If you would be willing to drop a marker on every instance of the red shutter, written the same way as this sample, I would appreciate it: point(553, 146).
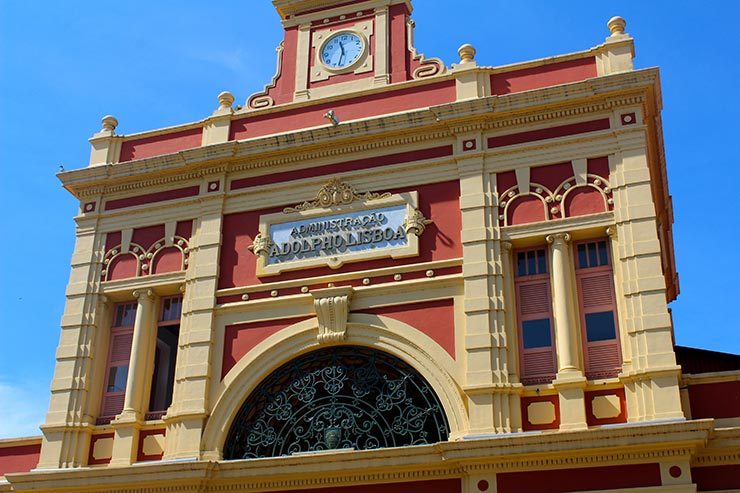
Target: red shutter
point(118, 355)
point(596, 294)
point(533, 303)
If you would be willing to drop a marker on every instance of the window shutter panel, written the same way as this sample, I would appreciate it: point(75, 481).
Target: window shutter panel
point(596, 294)
point(121, 347)
point(112, 404)
point(533, 303)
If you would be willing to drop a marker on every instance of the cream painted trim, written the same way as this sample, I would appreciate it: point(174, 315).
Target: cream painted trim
point(161, 284)
point(574, 225)
point(713, 377)
point(342, 276)
point(20, 442)
point(383, 333)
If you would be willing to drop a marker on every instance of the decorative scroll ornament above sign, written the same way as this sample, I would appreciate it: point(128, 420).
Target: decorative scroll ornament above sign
point(333, 194)
point(340, 225)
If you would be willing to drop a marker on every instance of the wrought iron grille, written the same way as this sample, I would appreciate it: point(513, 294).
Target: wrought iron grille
point(341, 397)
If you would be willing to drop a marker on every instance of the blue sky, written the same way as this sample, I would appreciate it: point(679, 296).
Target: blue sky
point(63, 65)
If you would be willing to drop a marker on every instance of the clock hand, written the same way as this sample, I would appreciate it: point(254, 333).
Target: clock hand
point(341, 47)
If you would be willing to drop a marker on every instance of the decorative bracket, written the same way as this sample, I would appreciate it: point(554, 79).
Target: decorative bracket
point(332, 310)
point(416, 223)
point(261, 245)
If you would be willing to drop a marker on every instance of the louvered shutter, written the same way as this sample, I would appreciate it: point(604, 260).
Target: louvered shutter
point(118, 357)
point(598, 312)
point(534, 307)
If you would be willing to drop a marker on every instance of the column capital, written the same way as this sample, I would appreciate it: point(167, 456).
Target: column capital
point(558, 238)
point(143, 295)
point(506, 247)
point(611, 231)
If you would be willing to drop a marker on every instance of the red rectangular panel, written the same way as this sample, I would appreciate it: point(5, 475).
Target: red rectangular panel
point(715, 400)
point(151, 198)
point(549, 133)
point(22, 458)
point(715, 478)
point(440, 486)
point(543, 76)
point(158, 145)
point(579, 479)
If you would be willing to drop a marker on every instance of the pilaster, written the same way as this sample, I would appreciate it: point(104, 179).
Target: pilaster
point(67, 426)
point(493, 400)
point(186, 416)
point(651, 378)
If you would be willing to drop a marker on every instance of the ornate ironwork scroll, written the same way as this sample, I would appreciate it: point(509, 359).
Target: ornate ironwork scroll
point(340, 397)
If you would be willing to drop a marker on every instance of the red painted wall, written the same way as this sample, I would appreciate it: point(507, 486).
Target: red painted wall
point(19, 459)
point(151, 198)
point(579, 479)
point(583, 201)
point(160, 144)
point(241, 338)
point(715, 400)
point(440, 486)
point(716, 477)
point(358, 164)
point(543, 76)
point(549, 133)
point(348, 109)
point(441, 240)
point(526, 209)
point(434, 318)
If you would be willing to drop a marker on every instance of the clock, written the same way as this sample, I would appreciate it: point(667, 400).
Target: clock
point(342, 50)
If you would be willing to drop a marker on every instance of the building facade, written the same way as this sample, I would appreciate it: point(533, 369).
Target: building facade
point(383, 273)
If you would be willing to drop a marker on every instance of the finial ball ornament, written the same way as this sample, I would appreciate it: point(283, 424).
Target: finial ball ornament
point(616, 25)
point(226, 99)
point(467, 53)
point(109, 123)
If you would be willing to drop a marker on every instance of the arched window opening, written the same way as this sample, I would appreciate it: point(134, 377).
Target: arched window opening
point(341, 397)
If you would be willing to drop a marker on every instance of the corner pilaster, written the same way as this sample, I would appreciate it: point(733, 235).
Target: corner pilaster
point(652, 377)
point(190, 407)
point(67, 428)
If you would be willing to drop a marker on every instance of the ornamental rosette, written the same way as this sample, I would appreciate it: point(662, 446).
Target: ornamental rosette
point(416, 223)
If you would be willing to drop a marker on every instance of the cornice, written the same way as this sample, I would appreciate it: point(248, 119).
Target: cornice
point(492, 113)
point(615, 445)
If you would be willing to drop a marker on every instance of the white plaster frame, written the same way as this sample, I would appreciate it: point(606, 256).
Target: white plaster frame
point(411, 249)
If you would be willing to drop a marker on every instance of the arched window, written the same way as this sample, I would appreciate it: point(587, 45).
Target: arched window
point(340, 397)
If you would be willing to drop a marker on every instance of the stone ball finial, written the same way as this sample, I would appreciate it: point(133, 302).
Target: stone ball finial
point(225, 99)
point(109, 123)
point(467, 53)
point(616, 25)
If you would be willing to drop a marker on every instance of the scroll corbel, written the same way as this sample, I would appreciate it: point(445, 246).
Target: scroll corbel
point(261, 245)
point(416, 223)
point(332, 310)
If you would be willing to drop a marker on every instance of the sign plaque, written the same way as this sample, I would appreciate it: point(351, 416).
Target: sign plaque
point(340, 226)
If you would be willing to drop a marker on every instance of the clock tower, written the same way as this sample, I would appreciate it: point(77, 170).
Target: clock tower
point(336, 47)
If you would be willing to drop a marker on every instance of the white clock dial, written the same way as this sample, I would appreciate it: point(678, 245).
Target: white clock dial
point(342, 50)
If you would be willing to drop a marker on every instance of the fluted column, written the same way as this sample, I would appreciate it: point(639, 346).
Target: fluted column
point(570, 382)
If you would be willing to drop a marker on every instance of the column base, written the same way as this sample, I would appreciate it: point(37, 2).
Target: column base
point(570, 386)
point(126, 428)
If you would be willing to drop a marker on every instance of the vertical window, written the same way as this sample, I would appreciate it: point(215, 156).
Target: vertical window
point(534, 316)
point(119, 354)
point(598, 312)
point(165, 358)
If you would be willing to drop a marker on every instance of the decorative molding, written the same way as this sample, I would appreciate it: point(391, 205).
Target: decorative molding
point(261, 245)
point(145, 257)
point(558, 238)
point(333, 194)
point(428, 67)
point(332, 310)
point(263, 99)
point(485, 112)
point(416, 223)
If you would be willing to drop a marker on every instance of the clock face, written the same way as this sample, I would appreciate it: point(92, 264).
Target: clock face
point(342, 50)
